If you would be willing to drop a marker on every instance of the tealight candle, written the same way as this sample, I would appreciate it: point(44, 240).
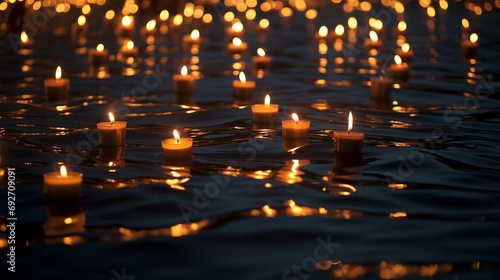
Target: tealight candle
point(98, 57)
point(62, 184)
point(150, 29)
point(265, 113)
point(236, 30)
point(295, 128)
point(400, 70)
point(380, 88)
point(192, 39)
point(339, 32)
point(56, 89)
point(26, 42)
point(323, 33)
point(177, 147)
point(126, 29)
point(373, 43)
point(401, 28)
point(128, 50)
point(112, 133)
point(405, 53)
point(469, 47)
point(79, 28)
point(261, 61)
point(348, 141)
point(184, 83)
point(237, 46)
point(243, 89)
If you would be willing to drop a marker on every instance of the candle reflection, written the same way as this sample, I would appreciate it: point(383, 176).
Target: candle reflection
point(64, 219)
point(291, 173)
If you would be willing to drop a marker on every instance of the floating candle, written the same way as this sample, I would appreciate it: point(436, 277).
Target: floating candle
point(295, 128)
point(323, 33)
point(98, 57)
point(339, 31)
point(261, 61)
point(373, 43)
point(465, 24)
point(150, 29)
point(126, 29)
point(265, 113)
point(184, 82)
point(26, 42)
point(237, 46)
point(56, 89)
point(400, 70)
point(128, 50)
point(405, 53)
point(243, 90)
point(112, 133)
point(469, 47)
point(380, 88)
point(177, 147)
point(401, 28)
point(348, 141)
point(62, 184)
point(192, 39)
point(236, 30)
point(80, 28)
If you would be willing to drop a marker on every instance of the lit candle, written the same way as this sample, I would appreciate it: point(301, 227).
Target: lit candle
point(79, 28)
point(26, 42)
point(348, 141)
point(265, 113)
point(150, 29)
point(177, 147)
point(261, 61)
point(465, 24)
point(469, 47)
point(112, 133)
point(128, 50)
point(237, 46)
point(56, 89)
point(243, 90)
point(295, 128)
point(62, 184)
point(184, 82)
point(339, 32)
point(236, 30)
point(400, 70)
point(323, 33)
point(98, 57)
point(192, 39)
point(401, 28)
point(373, 43)
point(405, 53)
point(127, 27)
point(263, 24)
point(380, 88)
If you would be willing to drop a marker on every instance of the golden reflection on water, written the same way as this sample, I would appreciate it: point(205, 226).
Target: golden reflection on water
point(384, 270)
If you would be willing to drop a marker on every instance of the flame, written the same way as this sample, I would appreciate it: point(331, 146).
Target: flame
point(237, 27)
point(58, 72)
point(130, 45)
point(110, 14)
point(378, 24)
point(402, 26)
point(68, 221)
point(63, 171)
point(339, 30)
point(127, 21)
point(195, 34)
point(261, 52)
point(24, 37)
point(242, 77)
point(267, 100)
point(405, 48)
point(151, 25)
point(264, 23)
point(177, 137)
point(349, 125)
point(111, 118)
point(295, 118)
point(164, 15)
point(473, 37)
point(352, 23)
point(178, 20)
point(237, 41)
point(373, 36)
point(184, 70)
point(398, 60)
point(465, 23)
point(100, 47)
point(323, 31)
point(431, 12)
point(82, 20)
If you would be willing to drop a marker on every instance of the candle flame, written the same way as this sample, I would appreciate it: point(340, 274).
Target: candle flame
point(295, 118)
point(405, 48)
point(127, 21)
point(349, 125)
point(100, 47)
point(184, 70)
point(473, 37)
point(465, 23)
point(24, 37)
point(402, 26)
point(352, 23)
point(242, 77)
point(130, 45)
point(58, 72)
point(323, 31)
point(339, 30)
point(164, 15)
point(267, 100)
point(237, 41)
point(63, 171)
point(397, 59)
point(176, 136)
point(261, 52)
point(237, 27)
point(178, 19)
point(151, 25)
point(82, 20)
point(111, 118)
point(373, 36)
point(195, 34)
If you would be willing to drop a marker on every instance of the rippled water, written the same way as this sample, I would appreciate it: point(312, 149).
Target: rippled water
point(421, 201)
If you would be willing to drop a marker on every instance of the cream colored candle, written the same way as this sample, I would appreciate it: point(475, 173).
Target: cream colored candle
point(98, 57)
point(62, 184)
point(265, 113)
point(348, 141)
point(261, 61)
point(56, 89)
point(184, 82)
point(469, 47)
point(399, 69)
point(405, 53)
point(237, 46)
point(373, 43)
point(295, 128)
point(112, 133)
point(380, 88)
point(177, 147)
point(192, 39)
point(243, 90)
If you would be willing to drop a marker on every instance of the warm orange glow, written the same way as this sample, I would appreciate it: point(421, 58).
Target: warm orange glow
point(177, 137)
point(111, 117)
point(431, 12)
point(465, 23)
point(237, 27)
point(63, 171)
point(207, 18)
point(178, 19)
point(127, 21)
point(264, 23)
point(68, 221)
point(24, 37)
point(237, 41)
point(130, 45)
point(295, 118)
point(261, 52)
point(402, 26)
point(58, 72)
point(100, 47)
point(373, 36)
point(398, 60)
point(151, 25)
point(405, 48)
point(349, 125)
point(267, 100)
point(473, 37)
point(82, 20)
point(339, 30)
point(352, 23)
point(110, 14)
point(184, 70)
point(323, 31)
point(311, 14)
point(164, 15)
point(242, 77)
point(195, 34)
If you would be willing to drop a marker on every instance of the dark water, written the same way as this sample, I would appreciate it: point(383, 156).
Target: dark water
point(421, 201)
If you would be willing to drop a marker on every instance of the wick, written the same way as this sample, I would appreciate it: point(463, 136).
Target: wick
point(177, 141)
point(348, 132)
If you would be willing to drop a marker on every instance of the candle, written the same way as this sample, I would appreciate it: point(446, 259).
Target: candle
point(80, 28)
point(150, 29)
point(112, 133)
point(127, 27)
point(469, 47)
point(56, 89)
point(339, 31)
point(237, 46)
point(243, 89)
point(405, 53)
point(465, 24)
point(261, 61)
point(192, 39)
point(26, 42)
point(177, 147)
point(128, 50)
point(236, 30)
point(373, 43)
point(380, 88)
point(184, 83)
point(62, 184)
point(265, 113)
point(98, 57)
point(323, 33)
point(401, 28)
point(348, 141)
point(295, 128)
point(263, 25)
point(400, 70)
